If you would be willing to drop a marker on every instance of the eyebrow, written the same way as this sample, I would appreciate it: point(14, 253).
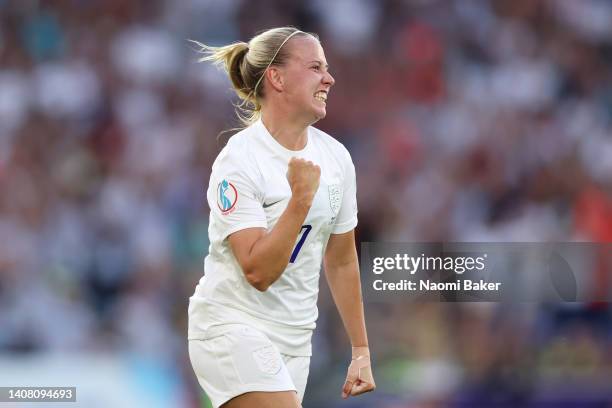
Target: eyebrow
point(320, 63)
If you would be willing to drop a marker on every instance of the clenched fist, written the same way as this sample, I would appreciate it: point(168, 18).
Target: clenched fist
point(303, 177)
point(359, 378)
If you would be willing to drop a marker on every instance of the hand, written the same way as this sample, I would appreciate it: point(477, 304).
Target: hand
point(303, 177)
point(359, 378)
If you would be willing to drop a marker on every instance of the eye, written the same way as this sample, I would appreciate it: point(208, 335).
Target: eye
point(316, 67)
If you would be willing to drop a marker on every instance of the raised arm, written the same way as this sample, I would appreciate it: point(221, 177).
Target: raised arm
point(263, 256)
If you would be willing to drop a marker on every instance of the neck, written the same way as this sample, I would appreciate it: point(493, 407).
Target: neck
point(292, 134)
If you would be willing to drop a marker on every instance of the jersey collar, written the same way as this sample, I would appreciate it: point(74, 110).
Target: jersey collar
point(270, 141)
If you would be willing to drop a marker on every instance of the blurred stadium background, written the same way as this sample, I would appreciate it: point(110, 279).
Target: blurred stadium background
point(468, 120)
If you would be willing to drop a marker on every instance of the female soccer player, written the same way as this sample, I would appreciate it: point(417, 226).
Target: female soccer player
point(282, 198)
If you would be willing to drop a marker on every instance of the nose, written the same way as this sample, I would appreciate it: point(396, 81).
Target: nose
point(328, 79)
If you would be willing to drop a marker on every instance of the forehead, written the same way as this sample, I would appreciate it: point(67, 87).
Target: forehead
point(305, 49)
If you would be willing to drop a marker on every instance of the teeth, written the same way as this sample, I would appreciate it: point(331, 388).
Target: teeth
point(321, 96)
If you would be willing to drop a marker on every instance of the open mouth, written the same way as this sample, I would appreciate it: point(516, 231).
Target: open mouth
point(321, 96)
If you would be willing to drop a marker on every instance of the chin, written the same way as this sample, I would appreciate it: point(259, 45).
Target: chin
point(320, 113)
point(315, 113)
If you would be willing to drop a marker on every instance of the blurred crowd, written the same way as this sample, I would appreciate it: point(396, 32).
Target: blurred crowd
point(467, 120)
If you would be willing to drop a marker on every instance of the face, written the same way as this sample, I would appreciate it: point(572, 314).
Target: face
point(306, 79)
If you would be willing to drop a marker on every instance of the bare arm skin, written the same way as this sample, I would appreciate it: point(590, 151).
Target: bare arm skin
point(342, 273)
point(263, 256)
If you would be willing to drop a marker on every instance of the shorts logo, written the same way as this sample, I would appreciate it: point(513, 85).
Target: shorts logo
point(335, 197)
point(227, 196)
point(268, 360)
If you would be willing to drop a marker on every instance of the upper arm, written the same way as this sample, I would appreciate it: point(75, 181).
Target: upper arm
point(346, 219)
point(340, 250)
point(234, 196)
point(242, 242)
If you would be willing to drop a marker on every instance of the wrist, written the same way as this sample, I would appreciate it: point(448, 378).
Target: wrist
point(300, 203)
point(360, 351)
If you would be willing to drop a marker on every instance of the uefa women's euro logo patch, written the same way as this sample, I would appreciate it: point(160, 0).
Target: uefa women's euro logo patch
point(227, 196)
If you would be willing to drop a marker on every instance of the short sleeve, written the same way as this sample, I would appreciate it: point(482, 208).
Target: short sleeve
point(233, 197)
point(347, 215)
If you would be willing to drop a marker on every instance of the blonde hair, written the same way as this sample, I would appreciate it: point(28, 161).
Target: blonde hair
point(246, 65)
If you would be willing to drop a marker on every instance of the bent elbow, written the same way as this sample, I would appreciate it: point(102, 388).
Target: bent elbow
point(259, 285)
point(262, 287)
point(257, 281)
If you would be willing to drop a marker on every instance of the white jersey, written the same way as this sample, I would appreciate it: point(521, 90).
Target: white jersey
point(249, 188)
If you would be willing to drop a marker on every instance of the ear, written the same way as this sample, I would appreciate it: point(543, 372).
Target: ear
point(275, 78)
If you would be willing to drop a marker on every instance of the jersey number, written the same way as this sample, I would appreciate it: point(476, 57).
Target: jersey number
point(306, 228)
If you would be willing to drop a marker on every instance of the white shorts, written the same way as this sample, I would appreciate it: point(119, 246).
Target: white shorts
point(236, 358)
